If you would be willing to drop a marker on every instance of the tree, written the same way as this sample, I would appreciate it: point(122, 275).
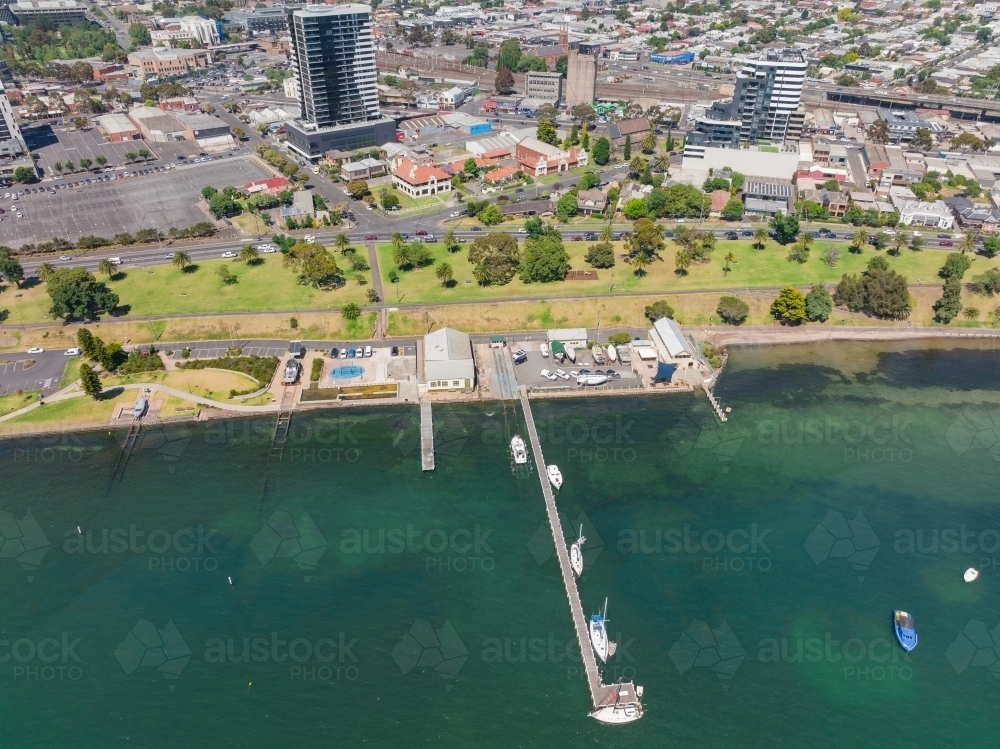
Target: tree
point(509, 55)
point(733, 210)
point(657, 310)
point(388, 199)
point(351, 311)
point(879, 292)
point(490, 215)
point(357, 189)
point(922, 139)
point(101, 160)
point(627, 152)
point(496, 258)
point(648, 144)
point(584, 113)
point(759, 238)
point(785, 228)
point(107, 267)
point(239, 133)
point(634, 208)
point(602, 151)
point(23, 175)
point(45, 270)
point(732, 310)
point(950, 304)
point(546, 133)
point(139, 34)
point(249, 254)
point(819, 304)
point(10, 268)
point(450, 241)
point(637, 165)
point(221, 205)
point(601, 255)
point(546, 112)
point(831, 256)
point(878, 132)
point(77, 295)
point(729, 258)
point(955, 266)
point(316, 267)
point(402, 257)
point(682, 261)
point(445, 273)
point(180, 260)
point(90, 382)
point(789, 306)
point(544, 259)
point(504, 81)
point(859, 240)
point(968, 243)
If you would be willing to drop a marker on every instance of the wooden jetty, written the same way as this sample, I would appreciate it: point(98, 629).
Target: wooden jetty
point(426, 436)
point(616, 703)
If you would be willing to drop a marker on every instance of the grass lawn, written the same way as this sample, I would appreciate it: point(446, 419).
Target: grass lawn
point(72, 372)
point(81, 411)
point(251, 224)
point(13, 401)
point(406, 203)
point(164, 289)
point(754, 268)
point(206, 383)
point(176, 407)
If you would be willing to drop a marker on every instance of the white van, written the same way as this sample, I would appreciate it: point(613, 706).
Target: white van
point(368, 351)
point(115, 260)
point(545, 350)
point(309, 238)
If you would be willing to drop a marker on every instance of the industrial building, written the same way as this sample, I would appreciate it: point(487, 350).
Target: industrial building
point(544, 86)
point(581, 79)
point(57, 11)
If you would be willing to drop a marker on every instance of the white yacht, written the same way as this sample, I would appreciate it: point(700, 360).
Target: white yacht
point(599, 633)
point(623, 704)
point(612, 354)
point(576, 554)
point(555, 475)
point(518, 450)
point(970, 574)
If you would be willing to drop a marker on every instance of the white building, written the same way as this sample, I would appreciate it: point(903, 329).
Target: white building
point(11, 141)
point(291, 87)
point(448, 362)
point(920, 213)
point(189, 28)
point(670, 341)
point(568, 337)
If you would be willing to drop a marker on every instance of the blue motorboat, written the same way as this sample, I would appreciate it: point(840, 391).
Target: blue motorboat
point(906, 633)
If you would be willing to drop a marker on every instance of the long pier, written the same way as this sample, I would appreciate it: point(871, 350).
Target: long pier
point(426, 436)
point(617, 703)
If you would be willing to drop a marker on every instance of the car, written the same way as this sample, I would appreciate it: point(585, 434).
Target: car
point(420, 232)
point(746, 233)
point(583, 372)
point(522, 231)
point(520, 356)
point(577, 238)
point(590, 236)
point(65, 257)
point(944, 236)
point(519, 189)
point(72, 352)
point(476, 228)
point(168, 257)
point(544, 348)
point(455, 214)
point(351, 353)
point(732, 235)
point(268, 251)
point(368, 352)
point(545, 373)
point(229, 253)
point(616, 375)
point(395, 351)
point(334, 352)
point(371, 237)
point(946, 243)
point(406, 236)
point(561, 373)
point(36, 351)
point(343, 353)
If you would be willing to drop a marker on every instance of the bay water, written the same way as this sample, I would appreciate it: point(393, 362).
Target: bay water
point(751, 569)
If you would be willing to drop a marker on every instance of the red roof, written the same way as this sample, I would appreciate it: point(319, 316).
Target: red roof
point(418, 175)
point(274, 183)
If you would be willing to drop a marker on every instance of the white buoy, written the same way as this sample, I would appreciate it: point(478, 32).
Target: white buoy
point(78, 530)
point(971, 574)
point(230, 581)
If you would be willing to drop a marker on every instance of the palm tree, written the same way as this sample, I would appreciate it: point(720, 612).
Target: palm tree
point(968, 243)
point(351, 311)
point(859, 240)
point(402, 256)
point(397, 239)
point(45, 270)
point(249, 254)
point(341, 242)
point(450, 241)
point(661, 163)
point(481, 274)
point(805, 239)
point(606, 232)
point(729, 258)
point(180, 260)
point(682, 261)
point(107, 267)
point(899, 242)
point(637, 165)
point(759, 238)
point(648, 144)
point(444, 273)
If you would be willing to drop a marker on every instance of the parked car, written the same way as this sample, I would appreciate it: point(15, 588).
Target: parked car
point(732, 235)
point(343, 353)
point(520, 356)
point(351, 353)
point(561, 373)
point(947, 243)
point(368, 351)
point(395, 351)
point(547, 374)
point(578, 239)
point(371, 237)
point(72, 352)
point(334, 352)
point(419, 232)
point(229, 253)
point(36, 350)
point(544, 348)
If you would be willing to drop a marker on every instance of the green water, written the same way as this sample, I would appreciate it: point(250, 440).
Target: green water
point(747, 624)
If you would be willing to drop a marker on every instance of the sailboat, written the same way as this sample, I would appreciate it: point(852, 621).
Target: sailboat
point(518, 450)
point(555, 475)
point(612, 354)
point(599, 634)
point(576, 554)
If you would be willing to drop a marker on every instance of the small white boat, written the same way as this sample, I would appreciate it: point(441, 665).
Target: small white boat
point(612, 354)
point(576, 554)
point(622, 705)
point(971, 574)
point(599, 633)
point(598, 353)
point(555, 475)
point(518, 450)
point(571, 354)
point(591, 380)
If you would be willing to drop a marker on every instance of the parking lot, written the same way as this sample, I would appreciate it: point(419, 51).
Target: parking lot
point(529, 373)
point(160, 200)
point(43, 374)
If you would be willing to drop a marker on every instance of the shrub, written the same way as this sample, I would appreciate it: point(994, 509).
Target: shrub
point(732, 310)
point(261, 368)
point(658, 309)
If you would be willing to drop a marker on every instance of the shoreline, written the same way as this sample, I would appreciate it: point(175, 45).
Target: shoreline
point(780, 334)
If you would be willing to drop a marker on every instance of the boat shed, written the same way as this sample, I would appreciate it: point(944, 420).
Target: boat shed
point(448, 363)
point(670, 341)
point(569, 337)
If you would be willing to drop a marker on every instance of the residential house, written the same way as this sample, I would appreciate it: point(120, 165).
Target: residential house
point(537, 158)
point(591, 201)
point(499, 176)
point(417, 181)
point(362, 169)
point(974, 216)
point(273, 186)
point(719, 200)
